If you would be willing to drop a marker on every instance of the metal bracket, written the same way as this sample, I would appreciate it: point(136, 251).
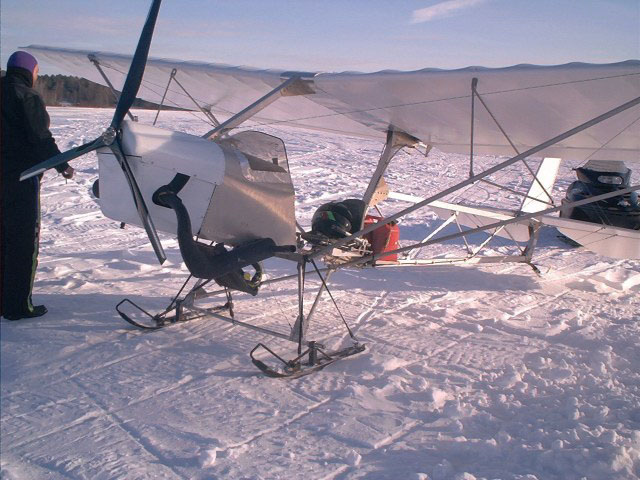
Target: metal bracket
point(396, 141)
point(534, 234)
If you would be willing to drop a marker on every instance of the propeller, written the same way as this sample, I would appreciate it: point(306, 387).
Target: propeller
point(63, 157)
point(112, 136)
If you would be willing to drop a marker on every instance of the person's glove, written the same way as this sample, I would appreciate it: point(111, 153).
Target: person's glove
point(68, 172)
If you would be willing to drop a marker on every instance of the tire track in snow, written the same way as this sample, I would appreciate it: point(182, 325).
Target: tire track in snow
point(345, 471)
point(78, 421)
point(112, 415)
point(131, 432)
point(153, 349)
point(412, 301)
point(368, 312)
point(535, 304)
point(222, 328)
point(75, 374)
point(422, 355)
point(310, 409)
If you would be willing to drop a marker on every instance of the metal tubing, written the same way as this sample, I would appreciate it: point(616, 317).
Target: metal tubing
point(94, 60)
point(207, 311)
point(474, 83)
point(515, 192)
point(301, 272)
point(266, 282)
point(435, 262)
point(484, 244)
point(297, 327)
point(251, 110)
point(318, 296)
point(451, 218)
point(517, 219)
point(464, 239)
point(534, 232)
point(207, 113)
point(173, 74)
point(516, 243)
point(495, 120)
point(391, 148)
point(396, 141)
point(480, 176)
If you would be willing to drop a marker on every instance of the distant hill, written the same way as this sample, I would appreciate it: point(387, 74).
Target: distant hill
point(64, 90)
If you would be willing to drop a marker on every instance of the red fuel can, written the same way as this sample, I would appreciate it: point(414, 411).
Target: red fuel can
point(383, 239)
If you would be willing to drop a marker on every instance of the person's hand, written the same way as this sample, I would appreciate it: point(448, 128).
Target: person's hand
point(68, 173)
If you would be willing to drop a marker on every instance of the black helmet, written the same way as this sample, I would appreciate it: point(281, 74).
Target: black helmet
point(333, 220)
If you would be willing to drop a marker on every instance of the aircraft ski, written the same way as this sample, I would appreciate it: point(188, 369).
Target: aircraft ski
point(317, 359)
point(162, 320)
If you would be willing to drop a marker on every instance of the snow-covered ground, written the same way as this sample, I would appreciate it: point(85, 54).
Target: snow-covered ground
point(491, 372)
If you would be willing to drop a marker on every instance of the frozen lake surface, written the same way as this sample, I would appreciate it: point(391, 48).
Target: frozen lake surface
point(469, 373)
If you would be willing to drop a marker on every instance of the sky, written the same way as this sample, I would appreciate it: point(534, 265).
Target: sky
point(337, 35)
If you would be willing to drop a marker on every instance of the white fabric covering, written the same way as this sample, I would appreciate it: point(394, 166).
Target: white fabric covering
point(532, 103)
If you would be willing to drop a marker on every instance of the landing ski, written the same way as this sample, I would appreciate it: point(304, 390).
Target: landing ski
point(162, 320)
point(296, 368)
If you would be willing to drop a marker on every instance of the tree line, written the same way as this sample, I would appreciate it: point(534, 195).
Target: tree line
point(65, 91)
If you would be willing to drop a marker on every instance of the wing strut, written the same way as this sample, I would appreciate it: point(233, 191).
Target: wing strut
point(172, 78)
point(396, 141)
point(295, 85)
point(474, 94)
point(93, 59)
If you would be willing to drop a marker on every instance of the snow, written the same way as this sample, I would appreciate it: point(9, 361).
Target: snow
point(469, 373)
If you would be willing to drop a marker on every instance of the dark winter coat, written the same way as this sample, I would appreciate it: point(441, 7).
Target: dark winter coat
point(26, 139)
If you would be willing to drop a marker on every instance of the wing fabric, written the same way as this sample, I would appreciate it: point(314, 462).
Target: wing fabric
point(532, 103)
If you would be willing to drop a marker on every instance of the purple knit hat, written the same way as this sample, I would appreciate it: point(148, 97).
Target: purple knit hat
point(22, 59)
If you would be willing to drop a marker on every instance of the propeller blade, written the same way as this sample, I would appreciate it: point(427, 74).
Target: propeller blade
point(139, 202)
point(136, 70)
point(63, 157)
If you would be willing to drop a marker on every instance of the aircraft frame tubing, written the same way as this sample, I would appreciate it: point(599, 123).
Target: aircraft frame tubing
point(298, 331)
point(528, 216)
point(515, 192)
point(251, 110)
point(212, 313)
point(266, 282)
point(301, 279)
point(172, 78)
point(394, 143)
point(92, 58)
point(474, 94)
point(594, 121)
point(164, 95)
point(438, 262)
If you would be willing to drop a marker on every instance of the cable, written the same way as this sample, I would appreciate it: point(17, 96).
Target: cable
point(324, 284)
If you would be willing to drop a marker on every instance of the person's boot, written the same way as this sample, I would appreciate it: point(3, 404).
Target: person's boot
point(37, 311)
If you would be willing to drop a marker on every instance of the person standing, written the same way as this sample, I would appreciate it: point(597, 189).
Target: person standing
point(26, 141)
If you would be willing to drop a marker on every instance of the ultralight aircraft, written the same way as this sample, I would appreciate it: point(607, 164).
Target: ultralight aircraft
point(233, 190)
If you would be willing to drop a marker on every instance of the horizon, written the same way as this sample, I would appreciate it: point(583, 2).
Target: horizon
point(359, 35)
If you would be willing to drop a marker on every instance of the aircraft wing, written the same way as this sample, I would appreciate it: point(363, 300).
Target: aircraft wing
point(532, 103)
